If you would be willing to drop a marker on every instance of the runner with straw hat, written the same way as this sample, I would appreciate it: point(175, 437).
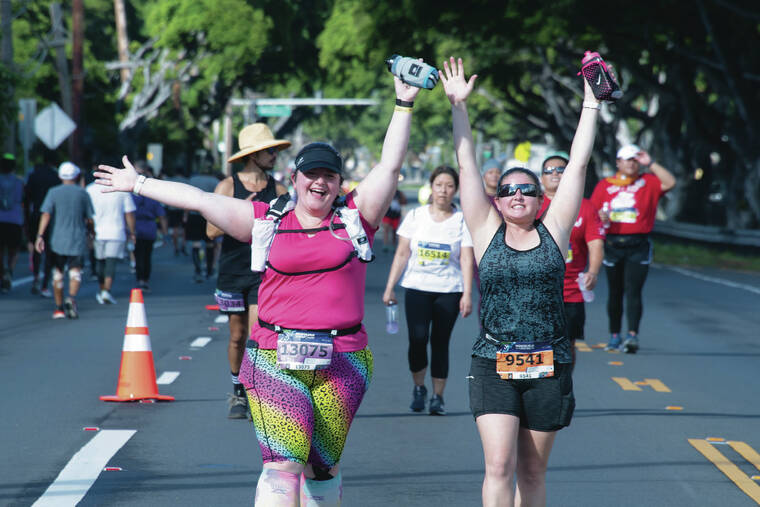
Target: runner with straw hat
point(237, 286)
point(257, 137)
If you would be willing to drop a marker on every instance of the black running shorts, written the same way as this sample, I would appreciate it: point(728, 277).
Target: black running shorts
point(61, 261)
point(247, 286)
point(575, 319)
point(195, 228)
point(175, 217)
point(544, 404)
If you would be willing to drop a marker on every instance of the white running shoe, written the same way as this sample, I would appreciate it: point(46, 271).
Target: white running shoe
point(99, 298)
point(106, 296)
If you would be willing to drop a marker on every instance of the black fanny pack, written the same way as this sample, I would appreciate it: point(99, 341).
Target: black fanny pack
point(626, 240)
point(333, 332)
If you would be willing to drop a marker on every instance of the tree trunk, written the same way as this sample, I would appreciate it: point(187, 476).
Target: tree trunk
point(6, 18)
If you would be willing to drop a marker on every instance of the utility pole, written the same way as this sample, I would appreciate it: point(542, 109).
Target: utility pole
point(58, 44)
point(77, 63)
point(122, 39)
point(6, 27)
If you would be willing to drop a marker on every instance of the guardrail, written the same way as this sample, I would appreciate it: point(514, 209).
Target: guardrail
point(709, 234)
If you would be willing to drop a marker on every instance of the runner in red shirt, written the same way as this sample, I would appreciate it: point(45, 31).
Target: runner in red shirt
point(627, 205)
point(586, 250)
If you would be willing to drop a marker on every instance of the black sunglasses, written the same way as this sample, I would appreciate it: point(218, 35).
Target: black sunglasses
point(272, 150)
point(549, 170)
point(526, 189)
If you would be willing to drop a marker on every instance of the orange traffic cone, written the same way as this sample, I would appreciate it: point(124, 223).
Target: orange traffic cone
point(137, 376)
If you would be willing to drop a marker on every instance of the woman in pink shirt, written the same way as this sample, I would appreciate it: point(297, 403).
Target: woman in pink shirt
point(311, 304)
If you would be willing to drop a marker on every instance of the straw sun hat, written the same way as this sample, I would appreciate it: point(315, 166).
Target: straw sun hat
point(256, 137)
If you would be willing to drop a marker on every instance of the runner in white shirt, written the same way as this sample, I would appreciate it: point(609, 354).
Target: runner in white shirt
point(435, 248)
point(114, 212)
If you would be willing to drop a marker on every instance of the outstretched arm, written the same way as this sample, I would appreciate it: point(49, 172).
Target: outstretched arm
point(563, 211)
point(375, 192)
point(479, 215)
point(233, 216)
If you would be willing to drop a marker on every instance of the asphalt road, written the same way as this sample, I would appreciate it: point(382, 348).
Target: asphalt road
point(639, 435)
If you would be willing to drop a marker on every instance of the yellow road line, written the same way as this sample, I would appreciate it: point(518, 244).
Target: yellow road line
point(730, 470)
point(582, 347)
point(747, 452)
point(657, 385)
point(626, 384)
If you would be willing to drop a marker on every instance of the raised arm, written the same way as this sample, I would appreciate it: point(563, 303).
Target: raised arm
point(375, 192)
point(479, 215)
point(563, 211)
point(233, 216)
point(667, 180)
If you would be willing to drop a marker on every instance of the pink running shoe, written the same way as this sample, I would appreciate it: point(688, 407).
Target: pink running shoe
point(600, 76)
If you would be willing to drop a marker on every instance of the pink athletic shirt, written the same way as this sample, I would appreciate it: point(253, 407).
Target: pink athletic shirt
point(327, 300)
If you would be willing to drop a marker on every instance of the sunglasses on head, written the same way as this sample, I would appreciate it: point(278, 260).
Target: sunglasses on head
point(526, 189)
point(549, 170)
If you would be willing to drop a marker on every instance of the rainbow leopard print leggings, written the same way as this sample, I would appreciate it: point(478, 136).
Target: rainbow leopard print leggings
point(304, 416)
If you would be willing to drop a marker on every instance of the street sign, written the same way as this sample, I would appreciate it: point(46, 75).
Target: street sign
point(52, 126)
point(273, 110)
point(155, 157)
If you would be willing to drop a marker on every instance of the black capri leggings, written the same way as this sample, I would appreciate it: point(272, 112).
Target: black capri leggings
point(143, 256)
point(626, 261)
point(423, 309)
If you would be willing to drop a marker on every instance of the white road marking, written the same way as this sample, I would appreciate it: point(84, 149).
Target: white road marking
point(721, 281)
point(201, 341)
point(221, 319)
point(167, 377)
point(79, 474)
point(21, 281)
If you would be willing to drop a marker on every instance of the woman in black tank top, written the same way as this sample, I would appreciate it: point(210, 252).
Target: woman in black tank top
point(520, 378)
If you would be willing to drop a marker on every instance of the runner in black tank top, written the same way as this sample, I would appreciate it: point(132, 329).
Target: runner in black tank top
point(237, 290)
point(520, 378)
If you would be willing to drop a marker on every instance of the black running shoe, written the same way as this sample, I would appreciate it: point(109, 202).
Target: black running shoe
point(418, 398)
point(238, 406)
point(70, 308)
point(436, 405)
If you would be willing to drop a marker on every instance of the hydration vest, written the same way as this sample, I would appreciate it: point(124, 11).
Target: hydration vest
point(265, 229)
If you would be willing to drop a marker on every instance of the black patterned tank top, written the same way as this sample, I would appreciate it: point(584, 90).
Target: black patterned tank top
point(522, 295)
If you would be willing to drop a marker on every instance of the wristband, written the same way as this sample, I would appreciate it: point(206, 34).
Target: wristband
point(138, 184)
point(402, 109)
point(592, 105)
point(404, 103)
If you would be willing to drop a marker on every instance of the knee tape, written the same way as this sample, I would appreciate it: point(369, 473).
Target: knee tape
point(321, 493)
point(74, 275)
point(57, 279)
point(277, 488)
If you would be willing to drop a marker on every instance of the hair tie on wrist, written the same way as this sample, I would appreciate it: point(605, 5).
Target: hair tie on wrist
point(592, 105)
point(402, 109)
point(404, 103)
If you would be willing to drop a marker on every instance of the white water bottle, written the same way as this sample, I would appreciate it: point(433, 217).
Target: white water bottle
point(606, 210)
point(391, 318)
point(588, 295)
